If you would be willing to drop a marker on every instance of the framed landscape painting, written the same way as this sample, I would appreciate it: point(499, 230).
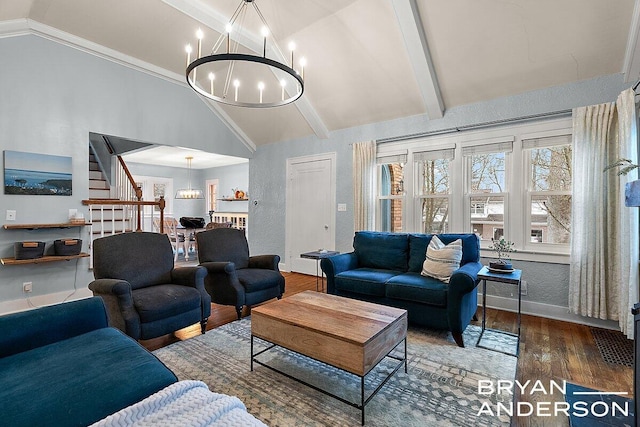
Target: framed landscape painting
point(37, 174)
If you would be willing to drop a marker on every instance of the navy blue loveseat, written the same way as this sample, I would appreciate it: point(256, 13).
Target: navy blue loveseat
point(63, 365)
point(385, 268)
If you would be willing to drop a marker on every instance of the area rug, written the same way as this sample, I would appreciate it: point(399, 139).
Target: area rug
point(441, 387)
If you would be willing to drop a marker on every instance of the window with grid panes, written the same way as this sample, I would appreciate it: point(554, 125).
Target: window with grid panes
point(548, 195)
point(487, 189)
point(391, 192)
point(433, 189)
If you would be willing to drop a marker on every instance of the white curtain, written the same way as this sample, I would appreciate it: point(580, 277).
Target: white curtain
point(604, 241)
point(628, 136)
point(364, 179)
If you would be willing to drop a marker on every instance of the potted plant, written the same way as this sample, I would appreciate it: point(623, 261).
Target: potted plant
point(503, 248)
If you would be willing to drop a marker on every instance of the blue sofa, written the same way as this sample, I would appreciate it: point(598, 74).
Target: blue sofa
point(385, 268)
point(63, 365)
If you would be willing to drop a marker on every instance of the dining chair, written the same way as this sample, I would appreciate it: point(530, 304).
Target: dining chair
point(177, 239)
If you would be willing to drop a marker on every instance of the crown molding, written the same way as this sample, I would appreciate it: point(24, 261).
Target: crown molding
point(22, 27)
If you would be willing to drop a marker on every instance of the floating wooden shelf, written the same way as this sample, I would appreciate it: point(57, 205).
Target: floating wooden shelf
point(52, 258)
point(234, 200)
point(38, 226)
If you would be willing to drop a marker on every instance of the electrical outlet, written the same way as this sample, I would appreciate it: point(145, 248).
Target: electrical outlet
point(342, 207)
point(11, 215)
point(27, 287)
point(523, 288)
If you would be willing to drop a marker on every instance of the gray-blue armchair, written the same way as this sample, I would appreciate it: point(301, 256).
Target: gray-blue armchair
point(234, 277)
point(147, 297)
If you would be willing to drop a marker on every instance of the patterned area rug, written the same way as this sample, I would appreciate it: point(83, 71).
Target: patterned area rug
point(440, 388)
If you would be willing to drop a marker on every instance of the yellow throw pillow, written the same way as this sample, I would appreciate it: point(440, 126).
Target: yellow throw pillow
point(442, 260)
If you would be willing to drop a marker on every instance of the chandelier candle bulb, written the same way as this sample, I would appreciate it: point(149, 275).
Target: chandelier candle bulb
point(212, 77)
point(303, 62)
point(188, 50)
point(292, 47)
point(236, 84)
point(260, 88)
point(283, 83)
point(199, 35)
point(228, 28)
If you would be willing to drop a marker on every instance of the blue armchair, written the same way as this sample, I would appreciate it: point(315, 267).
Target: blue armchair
point(234, 277)
point(147, 297)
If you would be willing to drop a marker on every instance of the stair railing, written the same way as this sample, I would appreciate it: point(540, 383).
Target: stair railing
point(107, 213)
point(128, 199)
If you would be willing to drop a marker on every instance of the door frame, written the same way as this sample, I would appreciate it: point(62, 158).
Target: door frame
point(289, 208)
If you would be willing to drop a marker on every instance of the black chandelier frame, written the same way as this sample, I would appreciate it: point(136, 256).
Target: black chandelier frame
point(230, 57)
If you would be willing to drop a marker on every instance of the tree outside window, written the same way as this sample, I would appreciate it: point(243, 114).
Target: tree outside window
point(550, 199)
point(434, 190)
point(486, 188)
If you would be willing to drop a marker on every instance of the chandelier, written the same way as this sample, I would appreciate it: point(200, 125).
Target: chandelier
point(189, 193)
point(244, 78)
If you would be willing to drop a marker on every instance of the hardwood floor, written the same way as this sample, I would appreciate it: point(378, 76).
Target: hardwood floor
point(549, 350)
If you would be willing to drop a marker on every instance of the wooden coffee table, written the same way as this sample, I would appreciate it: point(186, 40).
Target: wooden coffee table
point(345, 333)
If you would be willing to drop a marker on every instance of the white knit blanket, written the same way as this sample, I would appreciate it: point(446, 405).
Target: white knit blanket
point(185, 403)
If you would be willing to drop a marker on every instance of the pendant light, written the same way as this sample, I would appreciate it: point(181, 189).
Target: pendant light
point(189, 193)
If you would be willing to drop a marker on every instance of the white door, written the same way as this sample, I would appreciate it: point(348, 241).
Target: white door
point(310, 209)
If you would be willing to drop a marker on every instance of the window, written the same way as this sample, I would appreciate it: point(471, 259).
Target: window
point(486, 194)
point(433, 189)
point(548, 189)
point(391, 192)
point(512, 182)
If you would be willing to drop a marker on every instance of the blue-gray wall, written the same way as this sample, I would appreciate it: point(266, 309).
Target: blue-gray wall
point(51, 97)
point(548, 283)
point(229, 178)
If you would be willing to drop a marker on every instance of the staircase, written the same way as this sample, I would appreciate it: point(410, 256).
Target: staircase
point(114, 219)
point(111, 215)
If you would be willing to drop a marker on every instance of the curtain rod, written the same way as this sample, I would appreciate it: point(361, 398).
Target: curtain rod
point(553, 114)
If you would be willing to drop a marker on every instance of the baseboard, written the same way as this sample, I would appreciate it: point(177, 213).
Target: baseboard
point(548, 311)
point(31, 302)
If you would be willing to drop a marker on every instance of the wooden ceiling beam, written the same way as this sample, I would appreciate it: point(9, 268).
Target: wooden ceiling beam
point(415, 41)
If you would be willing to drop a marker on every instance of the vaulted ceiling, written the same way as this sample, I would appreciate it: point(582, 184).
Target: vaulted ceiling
point(368, 60)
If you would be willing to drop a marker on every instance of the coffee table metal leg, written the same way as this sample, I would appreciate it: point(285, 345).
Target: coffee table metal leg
point(405, 355)
point(362, 403)
point(251, 352)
